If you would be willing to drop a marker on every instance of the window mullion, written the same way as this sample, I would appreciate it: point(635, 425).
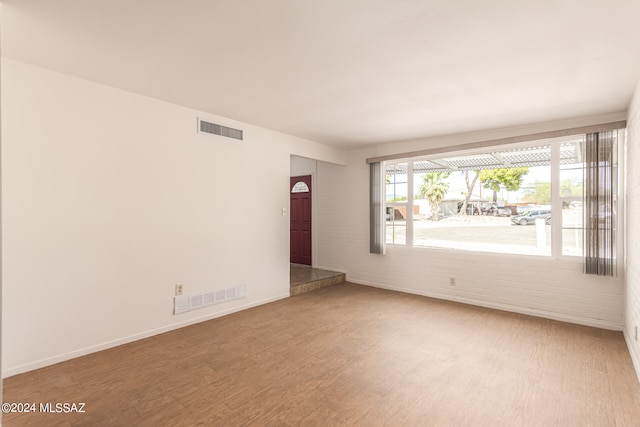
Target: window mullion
point(409, 221)
point(556, 203)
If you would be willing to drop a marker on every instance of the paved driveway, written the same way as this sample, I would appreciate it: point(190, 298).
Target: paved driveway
point(489, 234)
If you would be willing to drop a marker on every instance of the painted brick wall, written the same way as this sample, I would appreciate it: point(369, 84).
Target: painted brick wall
point(540, 286)
point(632, 306)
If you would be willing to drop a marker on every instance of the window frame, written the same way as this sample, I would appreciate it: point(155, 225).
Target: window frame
point(556, 244)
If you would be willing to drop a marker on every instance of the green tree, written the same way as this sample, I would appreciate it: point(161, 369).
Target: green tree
point(540, 194)
point(434, 188)
point(509, 178)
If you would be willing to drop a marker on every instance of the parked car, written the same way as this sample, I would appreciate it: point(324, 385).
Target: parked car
point(488, 208)
point(531, 216)
point(498, 211)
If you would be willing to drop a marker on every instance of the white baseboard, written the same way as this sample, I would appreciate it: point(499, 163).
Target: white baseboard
point(635, 357)
point(114, 343)
point(585, 321)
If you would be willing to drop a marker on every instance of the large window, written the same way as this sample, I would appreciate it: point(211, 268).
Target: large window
point(520, 199)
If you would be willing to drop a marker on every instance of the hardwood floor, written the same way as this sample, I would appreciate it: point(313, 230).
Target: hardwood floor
point(348, 355)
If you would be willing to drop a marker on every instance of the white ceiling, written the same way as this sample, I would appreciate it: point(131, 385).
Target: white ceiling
point(346, 72)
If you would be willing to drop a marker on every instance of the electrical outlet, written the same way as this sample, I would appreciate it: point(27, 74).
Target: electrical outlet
point(636, 333)
point(452, 281)
point(179, 289)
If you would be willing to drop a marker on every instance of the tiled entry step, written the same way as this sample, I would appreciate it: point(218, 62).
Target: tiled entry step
point(306, 279)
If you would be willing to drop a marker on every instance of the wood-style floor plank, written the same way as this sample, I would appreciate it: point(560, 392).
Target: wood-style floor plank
point(348, 355)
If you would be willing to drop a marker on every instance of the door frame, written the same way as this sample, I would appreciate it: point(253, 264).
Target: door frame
point(311, 181)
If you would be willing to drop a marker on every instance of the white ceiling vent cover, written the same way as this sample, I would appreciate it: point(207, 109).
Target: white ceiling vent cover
point(216, 129)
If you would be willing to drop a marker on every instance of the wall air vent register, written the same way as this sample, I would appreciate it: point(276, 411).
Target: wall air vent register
point(216, 129)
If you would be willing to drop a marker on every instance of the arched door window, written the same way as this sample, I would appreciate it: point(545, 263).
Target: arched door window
point(300, 187)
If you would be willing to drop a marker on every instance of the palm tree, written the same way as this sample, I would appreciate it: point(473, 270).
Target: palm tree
point(434, 188)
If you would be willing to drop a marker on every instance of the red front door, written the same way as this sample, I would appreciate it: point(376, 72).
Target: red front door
point(300, 192)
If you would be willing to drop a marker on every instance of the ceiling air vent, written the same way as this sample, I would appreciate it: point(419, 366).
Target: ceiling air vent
point(215, 129)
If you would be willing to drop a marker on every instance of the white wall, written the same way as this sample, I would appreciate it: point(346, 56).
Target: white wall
point(1, 388)
point(632, 306)
point(301, 166)
point(552, 288)
point(111, 198)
